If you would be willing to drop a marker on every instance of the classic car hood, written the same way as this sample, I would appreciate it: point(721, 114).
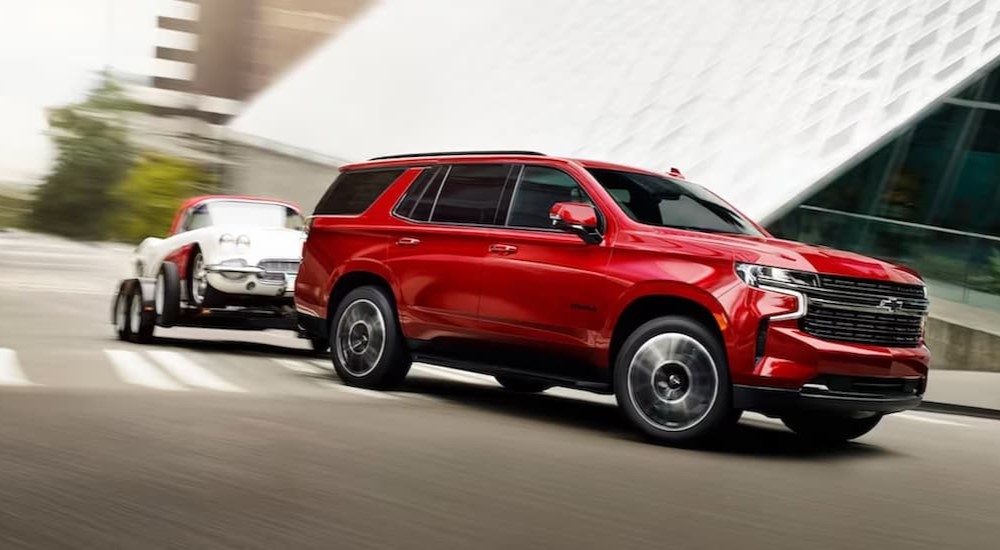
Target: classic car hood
point(791, 255)
point(265, 243)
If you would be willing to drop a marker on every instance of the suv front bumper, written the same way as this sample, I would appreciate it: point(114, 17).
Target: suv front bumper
point(794, 370)
point(777, 401)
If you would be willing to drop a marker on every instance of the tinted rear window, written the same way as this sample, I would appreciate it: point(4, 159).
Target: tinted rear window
point(419, 198)
point(353, 192)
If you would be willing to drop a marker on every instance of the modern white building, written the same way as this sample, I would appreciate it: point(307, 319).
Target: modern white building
point(871, 125)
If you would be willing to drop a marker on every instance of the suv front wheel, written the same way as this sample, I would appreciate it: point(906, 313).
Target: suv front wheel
point(366, 344)
point(672, 381)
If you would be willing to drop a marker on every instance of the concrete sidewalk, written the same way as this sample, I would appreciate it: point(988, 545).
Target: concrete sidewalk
point(964, 389)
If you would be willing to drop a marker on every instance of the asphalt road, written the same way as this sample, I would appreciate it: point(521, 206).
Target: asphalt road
point(209, 439)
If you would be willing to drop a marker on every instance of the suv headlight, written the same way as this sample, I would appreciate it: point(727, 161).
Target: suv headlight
point(761, 276)
point(781, 281)
point(243, 240)
point(226, 238)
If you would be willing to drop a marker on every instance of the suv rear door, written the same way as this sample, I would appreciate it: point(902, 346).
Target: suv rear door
point(437, 250)
point(544, 288)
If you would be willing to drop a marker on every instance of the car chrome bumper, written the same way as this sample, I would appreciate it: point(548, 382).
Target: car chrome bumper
point(251, 283)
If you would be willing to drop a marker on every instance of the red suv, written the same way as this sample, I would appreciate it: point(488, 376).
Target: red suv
point(546, 271)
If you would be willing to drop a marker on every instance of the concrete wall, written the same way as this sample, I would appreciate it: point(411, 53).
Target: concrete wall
point(956, 347)
point(266, 173)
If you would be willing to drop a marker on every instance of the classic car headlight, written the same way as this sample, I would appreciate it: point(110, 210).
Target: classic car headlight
point(781, 281)
point(226, 238)
point(243, 240)
point(235, 262)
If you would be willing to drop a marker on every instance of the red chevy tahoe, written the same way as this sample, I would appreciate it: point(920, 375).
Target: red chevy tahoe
point(547, 271)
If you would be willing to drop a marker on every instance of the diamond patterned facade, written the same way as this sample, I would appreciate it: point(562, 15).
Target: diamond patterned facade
point(761, 101)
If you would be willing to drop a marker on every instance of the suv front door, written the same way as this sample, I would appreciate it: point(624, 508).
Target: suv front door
point(544, 291)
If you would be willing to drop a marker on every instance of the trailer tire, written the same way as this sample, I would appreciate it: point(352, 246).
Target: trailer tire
point(167, 295)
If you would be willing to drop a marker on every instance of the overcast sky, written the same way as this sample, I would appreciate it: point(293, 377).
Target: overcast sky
point(50, 51)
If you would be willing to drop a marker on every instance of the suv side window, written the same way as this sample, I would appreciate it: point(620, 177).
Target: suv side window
point(541, 187)
point(353, 192)
point(419, 199)
point(471, 194)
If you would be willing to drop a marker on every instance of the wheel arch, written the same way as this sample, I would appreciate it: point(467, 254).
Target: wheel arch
point(352, 279)
point(692, 303)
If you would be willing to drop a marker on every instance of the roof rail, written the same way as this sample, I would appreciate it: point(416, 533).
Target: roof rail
point(458, 153)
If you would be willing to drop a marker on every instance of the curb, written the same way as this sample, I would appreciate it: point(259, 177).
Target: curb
point(963, 410)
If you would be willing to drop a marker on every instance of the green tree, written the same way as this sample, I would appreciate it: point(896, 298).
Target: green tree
point(146, 199)
point(94, 154)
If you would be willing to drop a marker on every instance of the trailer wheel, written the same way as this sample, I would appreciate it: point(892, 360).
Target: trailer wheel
point(139, 323)
point(167, 295)
point(119, 313)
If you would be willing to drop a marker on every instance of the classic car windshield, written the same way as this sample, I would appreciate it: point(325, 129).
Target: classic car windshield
point(256, 214)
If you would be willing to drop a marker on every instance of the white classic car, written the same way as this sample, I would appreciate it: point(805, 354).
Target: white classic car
point(227, 250)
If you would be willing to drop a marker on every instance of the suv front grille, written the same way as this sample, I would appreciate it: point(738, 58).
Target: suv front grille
point(863, 311)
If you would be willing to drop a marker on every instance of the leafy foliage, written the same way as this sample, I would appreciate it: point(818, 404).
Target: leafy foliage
point(94, 155)
point(146, 199)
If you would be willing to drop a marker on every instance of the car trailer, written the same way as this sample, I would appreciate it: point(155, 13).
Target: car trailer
point(140, 304)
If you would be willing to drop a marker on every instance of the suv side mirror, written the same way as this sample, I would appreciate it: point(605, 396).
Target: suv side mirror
point(577, 218)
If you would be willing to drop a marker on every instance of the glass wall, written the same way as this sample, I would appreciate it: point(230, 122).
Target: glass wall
point(929, 199)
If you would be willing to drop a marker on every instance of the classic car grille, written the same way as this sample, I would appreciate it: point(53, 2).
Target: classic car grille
point(863, 311)
point(275, 270)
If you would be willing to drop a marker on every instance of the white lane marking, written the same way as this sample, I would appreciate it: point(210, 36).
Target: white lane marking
point(452, 374)
point(191, 373)
point(135, 370)
point(323, 366)
point(300, 367)
point(10, 370)
point(930, 420)
point(354, 391)
point(757, 417)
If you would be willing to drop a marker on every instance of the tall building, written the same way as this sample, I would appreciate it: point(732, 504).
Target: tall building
point(213, 55)
point(870, 125)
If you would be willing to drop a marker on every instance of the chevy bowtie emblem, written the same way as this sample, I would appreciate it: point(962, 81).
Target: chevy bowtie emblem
point(894, 305)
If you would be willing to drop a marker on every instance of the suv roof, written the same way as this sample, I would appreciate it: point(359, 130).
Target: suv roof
point(411, 159)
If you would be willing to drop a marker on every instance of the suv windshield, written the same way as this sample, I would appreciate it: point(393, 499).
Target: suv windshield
point(256, 214)
point(665, 202)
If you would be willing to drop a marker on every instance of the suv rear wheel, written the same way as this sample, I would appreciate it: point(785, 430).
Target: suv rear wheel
point(367, 346)
point(672, 381)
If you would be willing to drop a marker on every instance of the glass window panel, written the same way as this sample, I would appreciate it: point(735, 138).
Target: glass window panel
point(910, 190)
point(969, 205)
point(855, 190)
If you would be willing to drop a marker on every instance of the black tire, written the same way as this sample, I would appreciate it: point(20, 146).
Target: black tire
point(522, 385)
point(359, 358)
point(119, 311)
point(830, 429)
point(167, 300)
point(676, 399)
point(139, 323)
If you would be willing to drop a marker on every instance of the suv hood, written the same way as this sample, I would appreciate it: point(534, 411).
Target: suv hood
point(794, 255)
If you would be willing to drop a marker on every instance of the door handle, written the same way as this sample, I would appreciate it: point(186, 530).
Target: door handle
point(408, 241)
point(503, 249)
